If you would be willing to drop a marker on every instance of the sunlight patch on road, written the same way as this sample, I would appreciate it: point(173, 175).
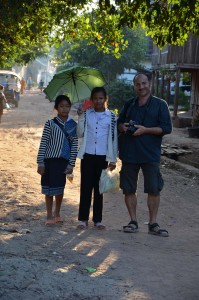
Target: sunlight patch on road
point(6, 238)
point(103, 267)
point(65, 269)
point(92, 252)
point(139, 295)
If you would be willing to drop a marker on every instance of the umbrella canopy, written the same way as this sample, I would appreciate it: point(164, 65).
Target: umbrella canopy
point(75, 82)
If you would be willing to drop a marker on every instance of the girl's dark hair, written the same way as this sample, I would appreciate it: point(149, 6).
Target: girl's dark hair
point(97, 90)
point(59, 99)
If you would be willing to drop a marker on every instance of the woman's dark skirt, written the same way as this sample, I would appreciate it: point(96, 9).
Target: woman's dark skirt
point(54, 179)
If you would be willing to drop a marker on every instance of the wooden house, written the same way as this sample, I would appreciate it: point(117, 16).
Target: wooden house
point(175, 60)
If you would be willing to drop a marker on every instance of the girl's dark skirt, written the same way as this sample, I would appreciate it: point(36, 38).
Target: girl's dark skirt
point(54, 179)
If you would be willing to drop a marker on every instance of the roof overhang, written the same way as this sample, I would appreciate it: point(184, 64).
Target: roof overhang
point(174, 67)
point(7, 72)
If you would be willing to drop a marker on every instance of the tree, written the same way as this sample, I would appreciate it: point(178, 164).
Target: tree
point(119, 92)
point(88, 55)
point(27, 25)
point(23, 33)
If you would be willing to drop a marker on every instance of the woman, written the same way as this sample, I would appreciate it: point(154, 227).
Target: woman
point(98, 150)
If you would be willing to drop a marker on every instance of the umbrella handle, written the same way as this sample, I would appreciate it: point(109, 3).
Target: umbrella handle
point(75, 86)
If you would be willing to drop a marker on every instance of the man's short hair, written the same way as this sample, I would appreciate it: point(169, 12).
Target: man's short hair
point(142, 73)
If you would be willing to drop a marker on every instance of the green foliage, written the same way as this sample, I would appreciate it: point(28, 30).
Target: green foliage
point(23, 31)
point(28, 26)
point(88, 55)
point(183, 100)
point(118, 93)
point(186, 78)
point(115, 111)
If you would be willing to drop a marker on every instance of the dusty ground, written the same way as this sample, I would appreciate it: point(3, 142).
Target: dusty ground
point(50, 263)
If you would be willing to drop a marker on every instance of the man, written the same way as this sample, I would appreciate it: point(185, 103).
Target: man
point(142, 123)
point(41, 85)
point(29, 83)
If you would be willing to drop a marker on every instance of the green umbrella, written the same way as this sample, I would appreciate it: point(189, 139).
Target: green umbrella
point(75, 82)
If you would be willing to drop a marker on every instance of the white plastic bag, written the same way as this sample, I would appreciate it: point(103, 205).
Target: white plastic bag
point(109, 181)
point(7, 106)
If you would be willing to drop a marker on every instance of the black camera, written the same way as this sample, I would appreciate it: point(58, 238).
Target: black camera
point(131, 128)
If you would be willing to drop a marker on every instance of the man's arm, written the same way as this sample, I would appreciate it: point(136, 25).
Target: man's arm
point(164, 124)
point(122, 127)
point(144, 130)
point(121, 124)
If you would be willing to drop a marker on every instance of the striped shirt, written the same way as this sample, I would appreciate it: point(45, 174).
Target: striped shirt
point(55, 144)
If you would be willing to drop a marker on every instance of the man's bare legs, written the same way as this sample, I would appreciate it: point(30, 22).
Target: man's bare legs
point(153, 203)
point(131, 204)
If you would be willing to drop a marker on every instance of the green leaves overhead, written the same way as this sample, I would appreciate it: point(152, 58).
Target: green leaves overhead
point(111, 66)
point(27, 25)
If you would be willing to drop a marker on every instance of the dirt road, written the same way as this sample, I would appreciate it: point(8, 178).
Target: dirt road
point(44, 263)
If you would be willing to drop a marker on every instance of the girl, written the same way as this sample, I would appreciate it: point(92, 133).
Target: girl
point(98, 151)
point(56, 156)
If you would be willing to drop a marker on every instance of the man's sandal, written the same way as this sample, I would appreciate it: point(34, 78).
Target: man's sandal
point(155, 229)
point(132, 227)
point(82, 225)
point(99, 226)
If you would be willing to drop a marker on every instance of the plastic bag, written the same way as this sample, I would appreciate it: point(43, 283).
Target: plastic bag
point(7, 106)
point(109, 181)
point(70, 177)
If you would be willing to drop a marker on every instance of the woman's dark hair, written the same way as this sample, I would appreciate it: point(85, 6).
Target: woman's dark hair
point(59, 99)
point(97, 90)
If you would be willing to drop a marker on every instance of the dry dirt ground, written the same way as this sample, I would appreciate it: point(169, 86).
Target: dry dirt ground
point(38, 262)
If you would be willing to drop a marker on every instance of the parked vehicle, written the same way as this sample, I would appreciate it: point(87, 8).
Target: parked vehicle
point(11, 82)
point(186, 88)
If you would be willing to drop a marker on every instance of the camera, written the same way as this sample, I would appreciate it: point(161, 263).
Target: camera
point(131, 128)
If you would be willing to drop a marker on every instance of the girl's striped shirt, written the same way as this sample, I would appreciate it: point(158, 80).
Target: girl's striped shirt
point(55, 144)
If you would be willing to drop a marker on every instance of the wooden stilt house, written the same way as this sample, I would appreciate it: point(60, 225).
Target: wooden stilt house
point(172, 61)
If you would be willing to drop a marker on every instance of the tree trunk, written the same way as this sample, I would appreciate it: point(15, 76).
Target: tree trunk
point(156, 83)
point(175, 107)
point(162, 87)
point(194, 91)
point(168, 90)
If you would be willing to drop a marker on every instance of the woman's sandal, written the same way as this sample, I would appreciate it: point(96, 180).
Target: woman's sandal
point(132, 227)
point(58, 220)
point(82, 225)
point(50, 222)
point(155, 229)
point(99, 226)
